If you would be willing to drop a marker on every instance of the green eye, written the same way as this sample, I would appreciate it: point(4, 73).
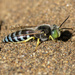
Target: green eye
point(55, 34)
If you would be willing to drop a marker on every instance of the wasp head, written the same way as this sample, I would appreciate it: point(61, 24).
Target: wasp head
point(55, 33)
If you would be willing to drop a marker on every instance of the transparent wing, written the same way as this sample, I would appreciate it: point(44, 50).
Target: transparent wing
point(22, 27)
point(35, 32)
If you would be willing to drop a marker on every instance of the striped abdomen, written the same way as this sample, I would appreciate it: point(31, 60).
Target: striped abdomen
point(17, 36)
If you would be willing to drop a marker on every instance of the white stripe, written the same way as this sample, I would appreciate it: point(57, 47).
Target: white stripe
point(10, 38)
point(3, 40)
point(16, 39)
point(14, 34)
point(27, 35)
point(22, 38)
point(6, 39)
point(20, 32)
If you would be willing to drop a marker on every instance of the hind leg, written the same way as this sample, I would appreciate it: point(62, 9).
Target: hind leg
point(27, 40)
point(24, 40)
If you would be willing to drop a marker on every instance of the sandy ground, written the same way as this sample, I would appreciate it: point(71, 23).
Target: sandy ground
point(50, 58)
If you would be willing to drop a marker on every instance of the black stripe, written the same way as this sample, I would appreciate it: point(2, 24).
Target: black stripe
point(8, 39)
point(19, 38)
point(5, 40)
point(14, 39)
point(17, 33)
point(23, 32)
point(12, 35)
point(25, 37)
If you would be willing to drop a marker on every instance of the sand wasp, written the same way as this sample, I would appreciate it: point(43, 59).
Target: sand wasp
point(41, 33)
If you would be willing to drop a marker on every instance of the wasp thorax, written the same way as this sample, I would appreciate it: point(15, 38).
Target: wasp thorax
point(46, 31)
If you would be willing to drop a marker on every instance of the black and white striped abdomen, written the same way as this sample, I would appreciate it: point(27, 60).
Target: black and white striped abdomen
point(17, 36)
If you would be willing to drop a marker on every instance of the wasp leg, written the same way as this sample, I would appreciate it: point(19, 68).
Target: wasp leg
point(38, 42)
point(28, 39)
point(25, 40)
point(50, 37)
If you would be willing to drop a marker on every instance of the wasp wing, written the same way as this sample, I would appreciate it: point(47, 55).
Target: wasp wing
point(27, 32)
point(22, 27)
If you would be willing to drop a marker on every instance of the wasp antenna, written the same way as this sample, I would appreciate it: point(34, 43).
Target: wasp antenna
point(64, 21)
point(67, 28)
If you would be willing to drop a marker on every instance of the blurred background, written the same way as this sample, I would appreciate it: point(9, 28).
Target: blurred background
point(18, 13)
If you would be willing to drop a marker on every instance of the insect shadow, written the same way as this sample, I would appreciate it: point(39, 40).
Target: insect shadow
point(0, 49)
point(65, 36)
point(1, 23)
